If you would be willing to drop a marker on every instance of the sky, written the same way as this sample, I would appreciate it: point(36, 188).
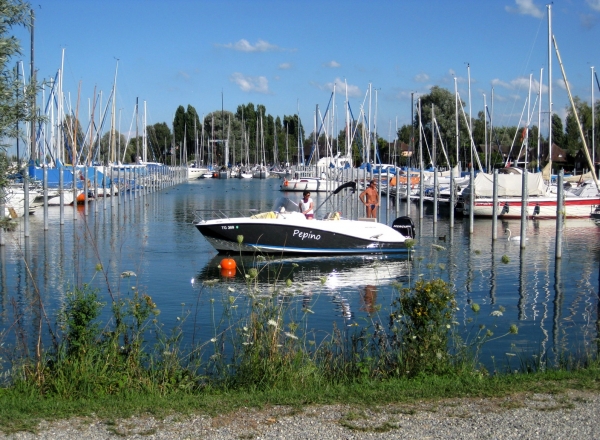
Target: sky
point(288, 55)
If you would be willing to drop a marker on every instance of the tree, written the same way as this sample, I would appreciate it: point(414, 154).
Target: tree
point(558, 134)
point(404, 133)
point(14, 106)
point(179, 126)
point(159, 139)
point(444, 106)
point(573, 141)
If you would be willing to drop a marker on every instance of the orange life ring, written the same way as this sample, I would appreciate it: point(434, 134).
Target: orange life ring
point(285, 182)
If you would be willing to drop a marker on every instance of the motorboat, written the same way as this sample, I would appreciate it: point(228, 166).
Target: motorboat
point(314, 184)
point(595, 215)
point(285, 230)
point(195, 172)
point(13, 199)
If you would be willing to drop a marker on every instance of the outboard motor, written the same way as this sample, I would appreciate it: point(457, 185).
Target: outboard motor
point(405, 226)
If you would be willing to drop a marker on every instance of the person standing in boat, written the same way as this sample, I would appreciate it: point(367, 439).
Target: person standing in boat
point(370, 198)
point(307, 206)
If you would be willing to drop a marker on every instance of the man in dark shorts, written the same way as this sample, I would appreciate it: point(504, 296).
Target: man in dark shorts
point(370, 198)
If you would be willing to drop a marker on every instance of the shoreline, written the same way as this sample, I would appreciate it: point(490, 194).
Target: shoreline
point(569, 414)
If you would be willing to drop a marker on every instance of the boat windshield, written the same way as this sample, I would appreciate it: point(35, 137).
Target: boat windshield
point(286, 204)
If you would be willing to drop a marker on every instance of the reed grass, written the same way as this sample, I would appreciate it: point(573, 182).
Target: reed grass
point(262, 351)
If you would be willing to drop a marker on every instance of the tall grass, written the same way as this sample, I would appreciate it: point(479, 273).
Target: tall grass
point(261, 340)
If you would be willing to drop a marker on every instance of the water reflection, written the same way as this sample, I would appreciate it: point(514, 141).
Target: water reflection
point(153, 236)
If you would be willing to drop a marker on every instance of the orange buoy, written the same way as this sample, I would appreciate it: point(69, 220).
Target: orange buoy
point(228, 273)
point(228, 263)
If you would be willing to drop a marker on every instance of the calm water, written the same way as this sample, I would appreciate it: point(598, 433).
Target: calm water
point(554, 306)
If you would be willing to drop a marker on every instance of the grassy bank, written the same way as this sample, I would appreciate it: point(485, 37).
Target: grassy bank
point(263, 351)
point(21, 411)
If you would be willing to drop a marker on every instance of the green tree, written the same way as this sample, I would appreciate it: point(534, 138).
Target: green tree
point(159, 139)
point(573, 141)
point(405, 133)
point(105, 146)
point(444, 106)
point(179, 126)
point(558, 134)
point(15, 105)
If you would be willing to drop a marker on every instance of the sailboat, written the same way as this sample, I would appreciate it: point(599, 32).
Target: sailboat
point(579, 201)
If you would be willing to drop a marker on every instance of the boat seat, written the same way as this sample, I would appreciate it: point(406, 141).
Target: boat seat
point(366, 219)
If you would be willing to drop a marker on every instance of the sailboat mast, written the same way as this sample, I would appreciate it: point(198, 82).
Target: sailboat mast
point(550, 85)
point(145, 140)
point(33, 95)
point(456, 121)
point(485, 134)
point(433, 157)
point(593, 124)
point(470, 125)
point(539, 138)
point(137, 143)
point(300, 156)
point(113, 117)
point(585, 148)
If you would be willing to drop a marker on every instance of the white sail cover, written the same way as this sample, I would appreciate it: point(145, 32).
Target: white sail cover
point(509, 185)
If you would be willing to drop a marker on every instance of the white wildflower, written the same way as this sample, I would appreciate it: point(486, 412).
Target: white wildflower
point(496, 313)
point(231, 289)
point(272, 323)
point(213, 340)
point(290, 335)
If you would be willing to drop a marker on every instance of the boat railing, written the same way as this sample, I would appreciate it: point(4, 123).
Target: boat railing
point(222, 214)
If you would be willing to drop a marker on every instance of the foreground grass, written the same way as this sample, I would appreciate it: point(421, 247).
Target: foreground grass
point(22, 412)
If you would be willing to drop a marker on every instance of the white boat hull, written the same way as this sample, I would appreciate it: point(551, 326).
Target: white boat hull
point(538, 207)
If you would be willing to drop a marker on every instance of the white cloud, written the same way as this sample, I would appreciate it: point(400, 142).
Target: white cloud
point(333, 64)
point(525, 7)
point(258, 84)
point(285, 66)
point(245, 46)
point(520, 83)
point(594, 4)
point(496, 82)
point(421, 77)
point(340, 87)
point(561, 83)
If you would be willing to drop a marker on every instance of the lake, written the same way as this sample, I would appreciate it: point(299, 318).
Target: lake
point(554, 305)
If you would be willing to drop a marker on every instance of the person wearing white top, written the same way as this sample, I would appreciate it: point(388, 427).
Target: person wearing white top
point(306, 206)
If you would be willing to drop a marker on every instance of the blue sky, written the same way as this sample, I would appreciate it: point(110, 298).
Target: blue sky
point(287, 55)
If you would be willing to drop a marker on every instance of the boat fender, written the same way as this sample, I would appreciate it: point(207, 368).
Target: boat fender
point(285, 182)
point(536, 209)
point(505, 209)
point(405, 226)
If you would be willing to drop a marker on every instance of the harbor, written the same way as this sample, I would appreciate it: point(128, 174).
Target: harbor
point(152, 239)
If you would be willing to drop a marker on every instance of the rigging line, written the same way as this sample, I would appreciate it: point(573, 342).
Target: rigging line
point(494, 130)
point(441, 141)
point(515, 137)
point(473, 149)
point(526, 140)
point(426, 144)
